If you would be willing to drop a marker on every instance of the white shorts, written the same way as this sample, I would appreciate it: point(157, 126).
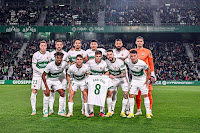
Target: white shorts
point(135, 87)
point(78, 84)
point(37, 83)
point(123, 82)
point(54, 84)
point(63, 81)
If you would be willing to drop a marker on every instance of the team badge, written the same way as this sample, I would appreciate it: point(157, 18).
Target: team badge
point(115, 67)
point(47, 57)
point(122, 54)
point(82, 71)
point(34, 86)
point(100, 67)
point(136, 67)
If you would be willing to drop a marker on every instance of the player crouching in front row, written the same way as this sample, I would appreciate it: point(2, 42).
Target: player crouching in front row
point(53, 71)
point(139, 82)
point(77, 72)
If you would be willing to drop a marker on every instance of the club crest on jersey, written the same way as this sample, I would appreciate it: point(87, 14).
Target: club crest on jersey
point(136, 67)
point(82, 71)
point(34, 86)
point(100, 67)
point(122, 54)
point(115, 67)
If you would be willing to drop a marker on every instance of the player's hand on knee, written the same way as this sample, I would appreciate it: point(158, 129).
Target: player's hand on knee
point(111, 76)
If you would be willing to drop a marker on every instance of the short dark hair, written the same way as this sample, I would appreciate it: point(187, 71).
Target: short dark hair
point(79, 55)
point(109, 50)
point(140, 37)
point(118, 39)
point(58, 53)
point(43, 41)
point(94, 40)
point(98, 52)
point(59, 41)
point(133, 52)
point(77, 40)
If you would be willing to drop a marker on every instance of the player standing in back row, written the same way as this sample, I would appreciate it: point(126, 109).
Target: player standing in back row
point(119, 53)
point(145, 55)
point(39, 62)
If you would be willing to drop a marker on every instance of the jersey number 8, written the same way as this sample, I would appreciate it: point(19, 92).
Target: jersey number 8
point(97, 90)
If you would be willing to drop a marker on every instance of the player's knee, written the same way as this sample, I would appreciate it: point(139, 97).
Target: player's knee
point(126, 95)
point(34, 91)
point(145, 95)
point(131, 95)
point(62, 93)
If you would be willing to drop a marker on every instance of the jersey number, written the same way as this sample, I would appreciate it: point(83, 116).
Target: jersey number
point(97, 90)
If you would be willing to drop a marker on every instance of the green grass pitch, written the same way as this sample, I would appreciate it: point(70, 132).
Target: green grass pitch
point(175, 109)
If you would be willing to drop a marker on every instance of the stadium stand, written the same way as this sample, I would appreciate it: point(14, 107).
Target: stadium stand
point(70, 16)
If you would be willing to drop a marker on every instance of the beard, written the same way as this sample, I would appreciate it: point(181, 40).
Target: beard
point(118, 48)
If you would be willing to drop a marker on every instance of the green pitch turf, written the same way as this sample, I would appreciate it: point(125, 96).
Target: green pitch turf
point(175, 109)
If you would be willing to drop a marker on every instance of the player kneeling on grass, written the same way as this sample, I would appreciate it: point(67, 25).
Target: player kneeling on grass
point(139, 82)
point(53, 71)
point(77, 72)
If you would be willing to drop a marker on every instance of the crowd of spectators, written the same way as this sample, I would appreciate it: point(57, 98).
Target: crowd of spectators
point(8, 53)
point(70, 16)
point(179, 15)
point(19, 16)
point(130, 15)
point(171, 62)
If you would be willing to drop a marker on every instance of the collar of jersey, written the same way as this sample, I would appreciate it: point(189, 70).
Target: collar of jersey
point(41, 53)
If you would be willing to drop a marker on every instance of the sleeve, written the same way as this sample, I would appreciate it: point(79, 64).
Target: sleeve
point(145, 66)
point(88, 63)
point(126, 61)
point(127, 53)
point(65, 57)
point(106, 67)
point(47, 68)
point(123, 66)
point(69, 72)
point(34, 60)
point(87, 70)
point(104, 52)
point(36, 68)
point(150, 59)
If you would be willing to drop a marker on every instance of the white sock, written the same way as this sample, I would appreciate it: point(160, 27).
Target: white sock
point(101, 109)
point(131, 104)
point(124, 104)
point(109, 102)
point(86, 108)
point(83, 107)
point(45, 103)
point(61, 103)
point(147, 105)
point(70, 107)
point(33, 100)
point(51, 100)
point(127, 106)
point(91, 108)
point(64, 105)
point(138, 110)
point(114, 100)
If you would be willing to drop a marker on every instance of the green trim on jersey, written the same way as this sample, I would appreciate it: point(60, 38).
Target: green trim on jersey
point(91, 57)
point(114, 73)
point(54, 75)
point(94, 71)
point(134, 73)
point(78, 77)
point(42, 64)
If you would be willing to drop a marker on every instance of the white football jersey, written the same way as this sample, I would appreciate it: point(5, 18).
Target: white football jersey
point(91, 54)
point(97, 89)
point(41, 61)
point(120, 54)
point(97, 68)
point(137, 70)
point(116, 67)
point(53, 71)
point(52, 57)
point(78, 73)
point(72, 55)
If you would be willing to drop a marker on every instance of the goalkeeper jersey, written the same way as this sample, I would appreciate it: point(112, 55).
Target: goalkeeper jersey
point(97, 89)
